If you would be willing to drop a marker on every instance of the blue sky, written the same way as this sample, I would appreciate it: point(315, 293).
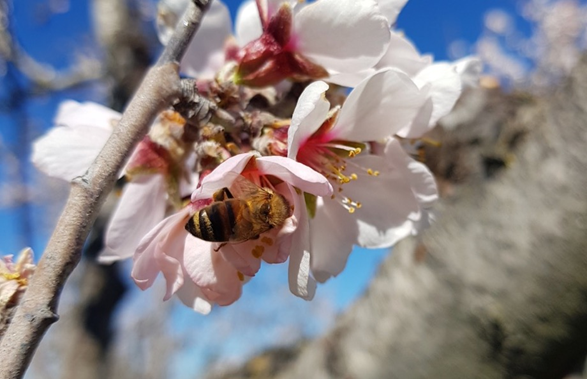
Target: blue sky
point(431, 24)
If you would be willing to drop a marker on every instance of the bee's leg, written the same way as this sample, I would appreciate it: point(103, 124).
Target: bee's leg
point(222, 194)
point(220, 246)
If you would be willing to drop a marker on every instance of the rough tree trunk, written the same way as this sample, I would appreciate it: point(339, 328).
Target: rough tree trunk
point(497, 288)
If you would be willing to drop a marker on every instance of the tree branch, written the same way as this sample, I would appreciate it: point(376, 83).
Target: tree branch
point(38, 309)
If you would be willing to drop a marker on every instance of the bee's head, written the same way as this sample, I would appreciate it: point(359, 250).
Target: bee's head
point(276, 211)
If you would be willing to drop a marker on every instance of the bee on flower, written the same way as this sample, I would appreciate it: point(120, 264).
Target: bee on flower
point(300, 171)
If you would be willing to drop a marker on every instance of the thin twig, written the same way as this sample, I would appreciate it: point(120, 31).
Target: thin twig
point(38, 309)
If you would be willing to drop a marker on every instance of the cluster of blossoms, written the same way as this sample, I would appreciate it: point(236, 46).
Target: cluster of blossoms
point(337, 159)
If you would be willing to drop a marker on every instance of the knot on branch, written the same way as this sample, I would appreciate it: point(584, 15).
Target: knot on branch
point(198, 110)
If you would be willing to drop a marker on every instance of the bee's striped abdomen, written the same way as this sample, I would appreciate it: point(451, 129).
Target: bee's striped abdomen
point(214, 223)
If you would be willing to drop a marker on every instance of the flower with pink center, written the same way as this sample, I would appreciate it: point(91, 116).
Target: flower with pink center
point(215, 272)
point(374, 202)
point(67, 150)
point(306, 41)
point(14, 277)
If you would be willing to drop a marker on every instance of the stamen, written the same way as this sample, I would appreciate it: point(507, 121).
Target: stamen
point(351, 210)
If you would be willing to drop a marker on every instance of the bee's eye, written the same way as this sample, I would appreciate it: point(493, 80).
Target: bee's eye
point(265, 209)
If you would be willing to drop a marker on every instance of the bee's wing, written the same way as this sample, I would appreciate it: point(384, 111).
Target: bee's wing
point(245, 189)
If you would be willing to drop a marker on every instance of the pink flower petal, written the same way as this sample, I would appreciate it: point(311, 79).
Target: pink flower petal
point(147, 256)
point(222, 176)
point(210, 271)
point(240, 256)
point(141, 207)
point(296, 174)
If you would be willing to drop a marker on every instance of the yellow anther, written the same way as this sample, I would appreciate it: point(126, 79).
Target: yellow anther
point(372, 173)
point(258, 251)
point(267, 241)
point(332, 197)
point(11, 276)
point(351, 210)
point(355, 152)
point(359, 205)
point(241, 276)
point(354, 176)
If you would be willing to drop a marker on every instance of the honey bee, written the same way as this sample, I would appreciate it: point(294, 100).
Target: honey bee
point(253, 211)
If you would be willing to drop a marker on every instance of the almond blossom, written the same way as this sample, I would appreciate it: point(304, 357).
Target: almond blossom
point(215, 272)
point(307, 41)
point(14, 277)
point(373, 205)
point(68, 149)
point(278, 40)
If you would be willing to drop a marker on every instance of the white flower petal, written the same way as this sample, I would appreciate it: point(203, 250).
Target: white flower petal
point(192, 296)
point(301, 282)
point(378, 107)
point(168, 14)
point(67, 152)
point(332, 33)
point(140, 209)
point(391, 9)
point(403, 55)
point(386, 201)
point(248, 24)
point(418, 175)
point(205, 54)
point(445, 88)
point(421, 123)
point(310, 112)
point(72, 113)
point(469, 68)
point(334, 231)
